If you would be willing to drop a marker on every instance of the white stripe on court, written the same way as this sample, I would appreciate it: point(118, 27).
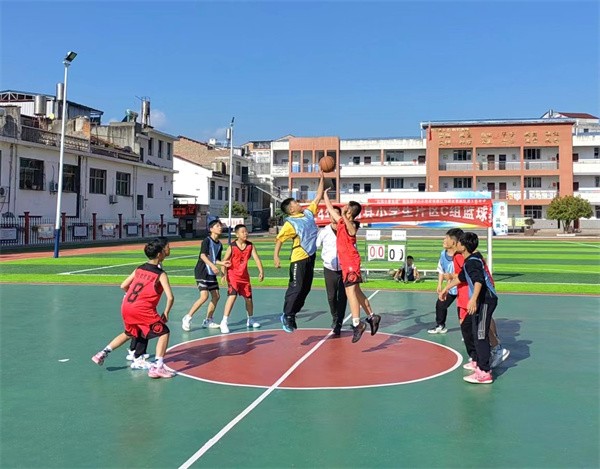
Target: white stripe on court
point(113, 266)
point(215, 439)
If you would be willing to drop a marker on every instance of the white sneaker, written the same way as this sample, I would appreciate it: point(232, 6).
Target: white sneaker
point(211, 324)
point(498, 356)
point(186, 323)
point(140, 364)
point(251, 322)
point(130, 355)
point(224, 328)
point(438, 330)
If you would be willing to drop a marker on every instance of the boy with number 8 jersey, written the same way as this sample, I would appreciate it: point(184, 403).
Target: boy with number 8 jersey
point(143, 288)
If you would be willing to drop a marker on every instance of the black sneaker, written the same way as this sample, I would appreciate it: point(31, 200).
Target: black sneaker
point(293, 323)
point(358, 332)
point(337, 329)
point(286, 323)
point(374, 323)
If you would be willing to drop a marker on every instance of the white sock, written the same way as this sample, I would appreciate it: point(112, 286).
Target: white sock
point(355, 321)
point(159, 362)
point(224, 321)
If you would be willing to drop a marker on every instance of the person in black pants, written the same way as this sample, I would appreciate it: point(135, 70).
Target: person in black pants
point(336, 292)
point(301, 228)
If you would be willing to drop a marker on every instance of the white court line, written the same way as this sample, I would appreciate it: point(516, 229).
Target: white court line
point(215, 439)
point(117, 265)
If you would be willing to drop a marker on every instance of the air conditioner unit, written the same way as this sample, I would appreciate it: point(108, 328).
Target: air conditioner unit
point(4, 191)
point(112, 199)
point(53, 186)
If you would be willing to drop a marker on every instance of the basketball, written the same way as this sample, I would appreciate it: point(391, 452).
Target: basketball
point(327, 164)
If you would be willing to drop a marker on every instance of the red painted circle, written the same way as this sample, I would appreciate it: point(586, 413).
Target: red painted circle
point(261, 358)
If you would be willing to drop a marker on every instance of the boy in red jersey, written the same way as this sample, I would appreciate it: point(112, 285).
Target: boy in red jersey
point(143, 288)
point(350, 263)
point(238, 254)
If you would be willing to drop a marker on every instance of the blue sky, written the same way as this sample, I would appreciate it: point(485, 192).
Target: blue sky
point(346, 68)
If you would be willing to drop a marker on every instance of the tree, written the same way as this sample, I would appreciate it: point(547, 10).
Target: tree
point(237, 210)
point(568, 209)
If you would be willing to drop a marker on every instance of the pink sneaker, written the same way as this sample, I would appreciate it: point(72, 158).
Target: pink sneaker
point(162, 372)
point(470, 365)
point(98, 359)
point(480, 377)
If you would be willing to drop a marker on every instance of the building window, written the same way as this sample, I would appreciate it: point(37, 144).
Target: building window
point(394, 183)
point(160, 145)
point(70, 178)
point(598, 211)
point(532, 153)
point(97, 181)
point(533, 211)
point(533, 183)
point(355, 187)
point(367, 160)
point(140, 202)
point(123, 184)
point(238, 168)
point(142, 153)
point(226, 193)
point(150, 147)
point(150, 191)
point(356, 159)
point(237, 194)
point(169, 149)
point(220, 197)
point(461, 155)
point(243, 194)
point(367, 187)
point(394, 155)
point(596, 152)
point(597, 181)
point(212, 190)
point(31, 174)
point(463, 183)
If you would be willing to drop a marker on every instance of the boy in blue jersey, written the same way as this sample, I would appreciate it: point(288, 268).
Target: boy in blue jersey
point(445, 266)
point(301, 228)
point(483, 300)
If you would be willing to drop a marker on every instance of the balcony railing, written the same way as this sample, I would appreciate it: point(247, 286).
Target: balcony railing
point(538, 194)
point(31, 134)
point(463, 166)
point(500, 166)
point(537, 165)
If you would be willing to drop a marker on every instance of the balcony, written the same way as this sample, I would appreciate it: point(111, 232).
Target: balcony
point(31, 134)
point(538, 194)
point(500, 166)
point(592, 194)
point(386, 169)
point(587, 167)
point(458, 166)
point(541, 165)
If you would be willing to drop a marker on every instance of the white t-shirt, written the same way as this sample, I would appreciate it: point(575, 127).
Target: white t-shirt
point(327, 239)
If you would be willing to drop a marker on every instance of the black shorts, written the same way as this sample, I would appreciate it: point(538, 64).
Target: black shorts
point(207, 283)
point(351, 278)
point(156, 330)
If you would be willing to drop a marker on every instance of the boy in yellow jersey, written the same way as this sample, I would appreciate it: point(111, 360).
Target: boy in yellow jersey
point(301, 228)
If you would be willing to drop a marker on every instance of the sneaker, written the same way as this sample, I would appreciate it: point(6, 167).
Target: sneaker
point(224, 328)
point(470, 365)
point(212, 325)
point(162, 372)
point(131, 355)
point(140, 364)
point(98, 359)
point(251, 322)
point(480, 377)
point(374, 323)
point(287, 323)
point(294, 325)
point(358, 331)
point(498, 355)
point(337, 330)
point(186, 323)
point(438, 330)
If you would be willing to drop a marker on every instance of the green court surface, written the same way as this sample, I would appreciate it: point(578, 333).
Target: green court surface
point(60, 410)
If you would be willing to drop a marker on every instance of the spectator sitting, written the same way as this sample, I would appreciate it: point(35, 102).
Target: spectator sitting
point(408, 273)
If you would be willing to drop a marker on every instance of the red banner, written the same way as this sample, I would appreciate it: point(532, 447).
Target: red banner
point(470, 211)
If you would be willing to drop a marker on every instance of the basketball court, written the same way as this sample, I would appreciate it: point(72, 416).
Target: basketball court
point(264, 398)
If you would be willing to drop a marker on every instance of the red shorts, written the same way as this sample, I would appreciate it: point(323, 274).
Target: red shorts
point(243, 289)
point(351, 277)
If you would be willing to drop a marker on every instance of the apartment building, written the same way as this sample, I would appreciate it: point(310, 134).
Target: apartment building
point(525, 162)
point(120, 169)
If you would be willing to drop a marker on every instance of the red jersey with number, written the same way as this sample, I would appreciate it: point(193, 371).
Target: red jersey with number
point(346, 247)
point(239, 262)
point(463, 289)
point(139, 304)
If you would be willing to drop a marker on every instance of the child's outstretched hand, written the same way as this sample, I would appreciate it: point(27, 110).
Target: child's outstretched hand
point(261, 276)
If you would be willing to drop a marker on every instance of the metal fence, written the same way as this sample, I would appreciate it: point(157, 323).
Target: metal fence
point(39, 231)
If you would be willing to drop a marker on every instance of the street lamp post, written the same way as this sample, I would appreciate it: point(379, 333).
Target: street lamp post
point(67, 61)
point(230, 138)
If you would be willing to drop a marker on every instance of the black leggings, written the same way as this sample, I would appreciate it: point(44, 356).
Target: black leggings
point(301, 278)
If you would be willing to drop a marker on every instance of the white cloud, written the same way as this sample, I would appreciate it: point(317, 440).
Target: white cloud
point(220, 134)
point(158, 119)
